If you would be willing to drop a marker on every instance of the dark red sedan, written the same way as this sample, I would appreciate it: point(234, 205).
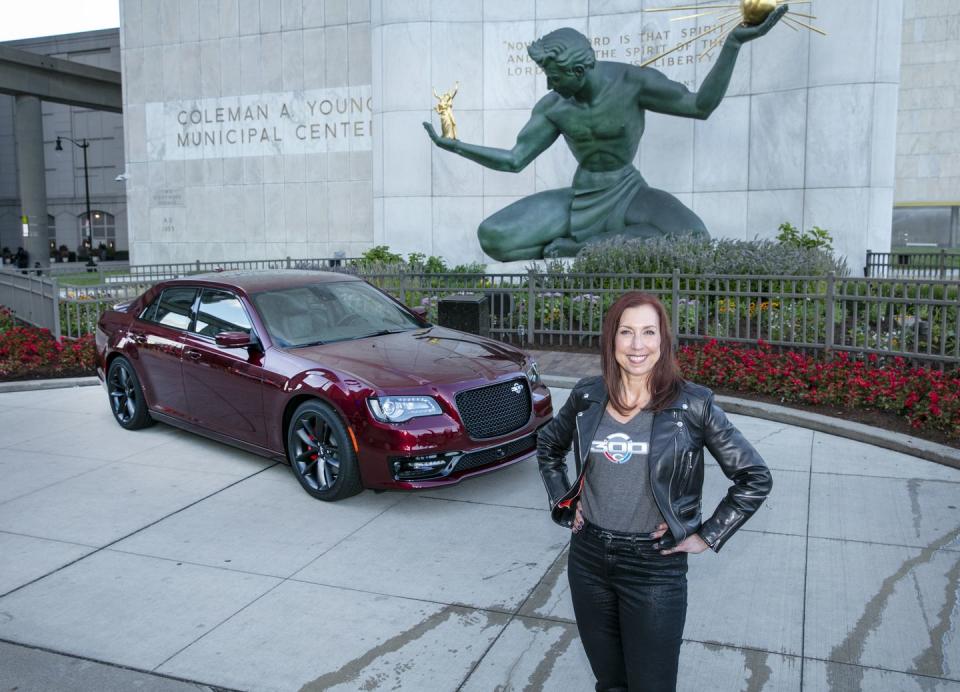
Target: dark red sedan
point(324, 371)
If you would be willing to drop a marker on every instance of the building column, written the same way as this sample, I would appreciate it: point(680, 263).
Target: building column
point(28, 133)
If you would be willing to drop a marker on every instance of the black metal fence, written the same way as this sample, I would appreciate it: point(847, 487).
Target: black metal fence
point(913, 318)
point(941, 264)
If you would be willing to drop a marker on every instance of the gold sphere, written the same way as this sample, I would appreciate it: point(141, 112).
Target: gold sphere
point(756, 11)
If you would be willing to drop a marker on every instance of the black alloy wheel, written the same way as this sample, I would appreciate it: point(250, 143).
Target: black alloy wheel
point(321, 454)
point(126, 396)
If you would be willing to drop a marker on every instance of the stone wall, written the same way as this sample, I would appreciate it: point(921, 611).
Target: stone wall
point(928, 128)
point(247, 126)
point(806, 133)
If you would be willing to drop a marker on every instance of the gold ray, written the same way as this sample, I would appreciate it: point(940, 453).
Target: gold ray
point(694, 16)
point(689, 7)
point(725, 30)
point(678, 46)
point(723, 23)
point(807, 26)
point(787, 23)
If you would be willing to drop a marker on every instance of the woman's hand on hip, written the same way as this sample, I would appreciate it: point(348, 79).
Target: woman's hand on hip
point(578, 518)
point(692, 544)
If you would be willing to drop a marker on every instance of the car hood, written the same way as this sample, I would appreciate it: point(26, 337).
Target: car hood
point(424, 356)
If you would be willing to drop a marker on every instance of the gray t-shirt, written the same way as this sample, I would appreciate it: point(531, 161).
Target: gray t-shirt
point(616, 489)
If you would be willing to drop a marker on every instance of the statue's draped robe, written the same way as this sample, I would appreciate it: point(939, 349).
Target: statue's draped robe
point(601, 200)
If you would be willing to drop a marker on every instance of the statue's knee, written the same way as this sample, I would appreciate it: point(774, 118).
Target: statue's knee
point(491, 239)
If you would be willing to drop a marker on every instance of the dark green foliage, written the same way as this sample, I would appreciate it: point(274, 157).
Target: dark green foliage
point(379, 254)
point(693, 256)
point(816, 237)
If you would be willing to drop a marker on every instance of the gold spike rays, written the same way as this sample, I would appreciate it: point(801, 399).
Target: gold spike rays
point(749, 12)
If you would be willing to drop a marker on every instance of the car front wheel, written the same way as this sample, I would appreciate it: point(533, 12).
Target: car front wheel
point(320, 453)
point(126, 396)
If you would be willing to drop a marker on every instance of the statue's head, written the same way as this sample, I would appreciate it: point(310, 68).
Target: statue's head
point(565, 55)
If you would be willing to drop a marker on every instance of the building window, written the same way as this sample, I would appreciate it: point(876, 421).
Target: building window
point(104, 227)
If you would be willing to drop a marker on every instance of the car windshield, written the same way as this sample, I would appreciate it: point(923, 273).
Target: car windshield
point(332, 311)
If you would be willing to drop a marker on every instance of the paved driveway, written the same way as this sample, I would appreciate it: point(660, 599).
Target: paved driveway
point(186, 560)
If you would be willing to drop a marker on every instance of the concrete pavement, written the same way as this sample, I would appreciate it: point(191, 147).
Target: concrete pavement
point(157, 560)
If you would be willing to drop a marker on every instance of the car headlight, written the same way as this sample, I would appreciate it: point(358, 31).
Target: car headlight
point(397, 409)
point(533, 373)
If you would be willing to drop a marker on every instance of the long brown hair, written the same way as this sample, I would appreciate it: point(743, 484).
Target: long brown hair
point(665, 381)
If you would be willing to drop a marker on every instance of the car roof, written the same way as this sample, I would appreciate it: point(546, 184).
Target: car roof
point(255, 280)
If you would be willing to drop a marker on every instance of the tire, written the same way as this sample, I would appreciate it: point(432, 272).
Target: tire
point(127, 403)
point(320, 453)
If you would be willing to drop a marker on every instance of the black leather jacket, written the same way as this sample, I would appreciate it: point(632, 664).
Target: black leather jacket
point(679, 435)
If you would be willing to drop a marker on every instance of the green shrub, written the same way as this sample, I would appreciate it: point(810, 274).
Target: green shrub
point(815, 238)
point(694, 256)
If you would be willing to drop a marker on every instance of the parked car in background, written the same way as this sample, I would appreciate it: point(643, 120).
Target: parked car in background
point(324, 371)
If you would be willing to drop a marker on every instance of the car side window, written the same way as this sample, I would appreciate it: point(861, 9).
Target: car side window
point(221, 311)
point(172, 308)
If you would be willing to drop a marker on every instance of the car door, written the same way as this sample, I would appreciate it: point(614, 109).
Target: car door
point(157, 347)
point(223, 385)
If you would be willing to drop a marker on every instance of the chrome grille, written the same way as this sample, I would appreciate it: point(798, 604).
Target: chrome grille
point(495, 410)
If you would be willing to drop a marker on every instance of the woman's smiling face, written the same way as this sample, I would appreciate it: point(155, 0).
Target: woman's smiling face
point(637, 344)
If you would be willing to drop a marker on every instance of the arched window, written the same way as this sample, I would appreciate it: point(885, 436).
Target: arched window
point(104, 227)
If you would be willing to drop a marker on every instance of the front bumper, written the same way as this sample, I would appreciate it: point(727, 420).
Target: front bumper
point(457, 465)
point(434, 452)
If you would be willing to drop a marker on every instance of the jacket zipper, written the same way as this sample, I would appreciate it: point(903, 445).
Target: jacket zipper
point(673, 473)
point(583, 466)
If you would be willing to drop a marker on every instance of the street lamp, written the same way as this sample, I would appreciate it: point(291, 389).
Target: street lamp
point(86, 185)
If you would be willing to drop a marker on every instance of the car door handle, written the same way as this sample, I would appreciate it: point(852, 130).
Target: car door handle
point(139, 338)
point(194, 355)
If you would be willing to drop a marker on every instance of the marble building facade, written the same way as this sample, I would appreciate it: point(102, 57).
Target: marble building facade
point(928, 126)
point(247, 128)
point(257, 129)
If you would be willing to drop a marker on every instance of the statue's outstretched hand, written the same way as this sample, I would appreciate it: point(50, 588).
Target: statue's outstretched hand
point(442, 142)
point(745, 33)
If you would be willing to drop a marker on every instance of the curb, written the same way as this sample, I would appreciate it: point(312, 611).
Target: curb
point(58, 383)
point(897, 442)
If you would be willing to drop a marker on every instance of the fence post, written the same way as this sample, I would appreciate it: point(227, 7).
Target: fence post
point(531, 300)
point(943, 263)
point(288, 261)
point(100, 278)
point(55, 299)
point(403, 288)
point(198, 266)
point(830, 336)
point(675, 307)
point(866, 267)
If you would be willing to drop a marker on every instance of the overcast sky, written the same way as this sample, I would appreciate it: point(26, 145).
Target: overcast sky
point(31, 18)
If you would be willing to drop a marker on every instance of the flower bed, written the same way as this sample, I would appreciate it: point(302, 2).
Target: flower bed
point(928, 400)
point(28, 352)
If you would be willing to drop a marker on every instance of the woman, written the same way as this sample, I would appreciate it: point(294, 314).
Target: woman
point(638, 434)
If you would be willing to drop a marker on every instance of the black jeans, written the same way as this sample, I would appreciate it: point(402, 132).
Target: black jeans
point(631, 603)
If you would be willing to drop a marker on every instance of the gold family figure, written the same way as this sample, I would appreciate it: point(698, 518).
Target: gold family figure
point(448, 125)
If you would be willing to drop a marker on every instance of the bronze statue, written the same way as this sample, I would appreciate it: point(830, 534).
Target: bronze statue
point(448, 125)
point(599, 108)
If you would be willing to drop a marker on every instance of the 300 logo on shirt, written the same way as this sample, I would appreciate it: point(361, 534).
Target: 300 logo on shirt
point(618, 447)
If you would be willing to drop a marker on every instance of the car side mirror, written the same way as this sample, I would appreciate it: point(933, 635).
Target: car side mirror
point(236, 340)
point(420, 311)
